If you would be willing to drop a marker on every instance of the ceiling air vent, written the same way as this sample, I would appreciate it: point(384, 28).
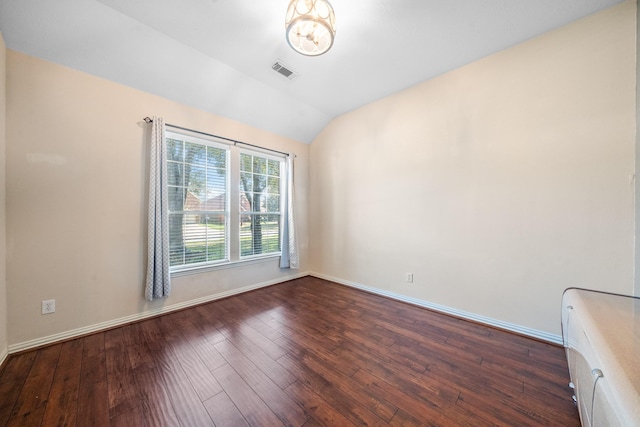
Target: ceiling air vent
point(285, 70)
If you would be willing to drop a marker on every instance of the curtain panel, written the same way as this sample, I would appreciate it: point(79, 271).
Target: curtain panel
point(289, 258)
point(158, 282)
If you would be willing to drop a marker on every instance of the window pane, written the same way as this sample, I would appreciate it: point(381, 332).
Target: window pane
point(271, 233)
point(274, 168)
point(195, 239)
point(216, 204)
point(254, 235)
point(259, 202)
point(246, 182)
point(216, 189)
point(246, 246)
point(259, 182)
point(259, 165)
point(259, 205)
point(216, 247)
point(204, 238)
point(176, 246)
point(273, 185)
point(273, 203)
point(196, 181)
point(216, 179)
point(197, 203)
point(176, 199)
point(174, 172)
point(245, 162)
point(216, 157)
point(175, 150)
point(259, 234)
point(195, 153)
point(192, 202)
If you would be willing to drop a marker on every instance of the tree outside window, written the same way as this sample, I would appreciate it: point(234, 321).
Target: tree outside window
point(259, 204)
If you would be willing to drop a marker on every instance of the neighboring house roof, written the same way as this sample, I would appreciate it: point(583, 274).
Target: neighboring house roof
point(192, 202)
point(217, 203)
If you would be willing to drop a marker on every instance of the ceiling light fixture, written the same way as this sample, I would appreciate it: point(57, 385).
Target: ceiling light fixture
point(310, 26)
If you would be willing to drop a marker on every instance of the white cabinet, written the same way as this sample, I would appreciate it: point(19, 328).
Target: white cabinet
point(602, 341)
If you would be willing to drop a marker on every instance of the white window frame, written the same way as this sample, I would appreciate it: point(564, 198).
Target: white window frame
point(233, 256)
point(274, 157)
point(200, 140)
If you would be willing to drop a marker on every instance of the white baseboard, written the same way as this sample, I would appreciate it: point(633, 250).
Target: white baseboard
point(3, 356)
point(26, 345)
point(522, 330)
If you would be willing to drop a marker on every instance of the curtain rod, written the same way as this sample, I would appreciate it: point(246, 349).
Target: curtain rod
point(235, 142)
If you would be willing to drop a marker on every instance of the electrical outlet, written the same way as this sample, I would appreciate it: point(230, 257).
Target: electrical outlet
point(409, 277)
point(48, 306)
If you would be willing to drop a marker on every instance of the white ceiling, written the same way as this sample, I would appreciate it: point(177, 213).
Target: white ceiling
point(216, 55)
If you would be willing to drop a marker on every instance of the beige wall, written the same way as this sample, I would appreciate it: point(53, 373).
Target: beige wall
point(497, 185)
point(3, 236)
point(637, 195)
point(76, 178)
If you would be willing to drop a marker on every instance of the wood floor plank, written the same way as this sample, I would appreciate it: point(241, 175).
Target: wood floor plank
point(307, 352)
point(272, 349)
point(276, 399)
point(559, 410)
point(156, 405)
point(250, 312)
point(350, 408)
point(201, 378)
point(31, 403)
point(131, 417)
point(17, 367)
point(253, 409)
point(155, 341)
point(322, 412)
point(32, 418)
point(312, 423)
point(299, 348)
point(469, 379)
point(402, 419)
point(93, 396)
point(304, 328)
point(207, 352)
point(223, 412)
point(368, 398)
point(493, 411)
point(526, 372)
point(426, 412)
point(208, 320)
point(262, 360)
point(140, 356)
point(385, 353)
point(163, 340)
point(430, 391)
point(9, 392)
point(93, 403)
point(185, 401)
point(120, 380)
point(63, 398)
point(199, 341)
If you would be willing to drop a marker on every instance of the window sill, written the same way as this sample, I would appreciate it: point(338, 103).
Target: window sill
point(222, 266)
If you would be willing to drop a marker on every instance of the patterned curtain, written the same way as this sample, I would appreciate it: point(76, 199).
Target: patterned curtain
point(289, 258)
point(158, 283)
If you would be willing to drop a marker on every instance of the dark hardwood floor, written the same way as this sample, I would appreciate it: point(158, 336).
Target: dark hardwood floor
point(302, 353)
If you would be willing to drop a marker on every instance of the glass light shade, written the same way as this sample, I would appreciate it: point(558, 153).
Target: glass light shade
point(310, 26)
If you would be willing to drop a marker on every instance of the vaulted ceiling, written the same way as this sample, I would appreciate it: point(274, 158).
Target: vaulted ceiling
point(217, 55)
